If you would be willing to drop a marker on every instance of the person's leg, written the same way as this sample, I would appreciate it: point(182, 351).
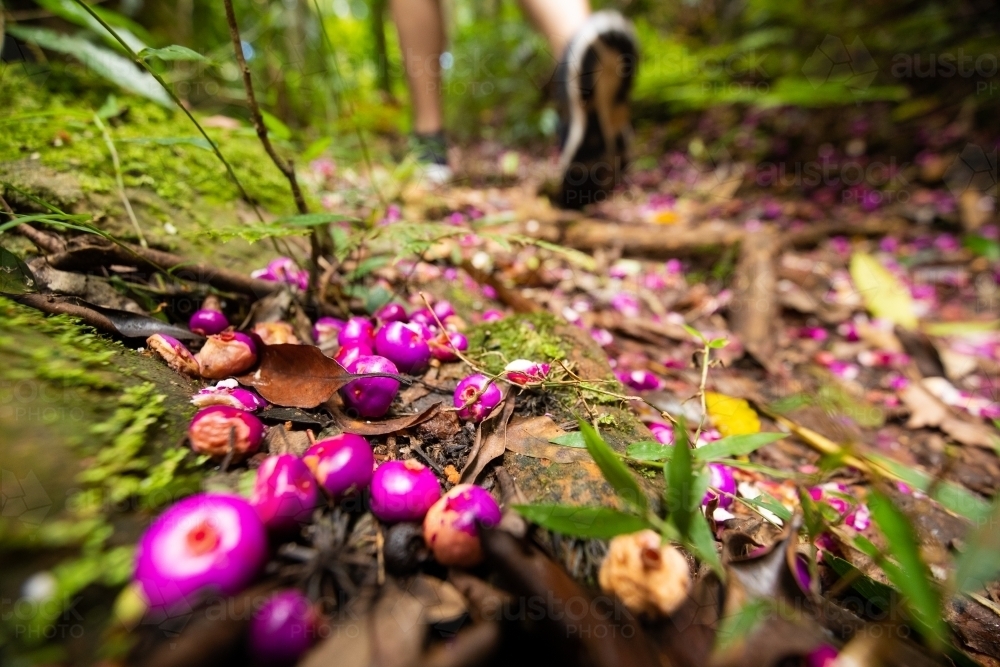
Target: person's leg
point(420, 24)
point(557, 20)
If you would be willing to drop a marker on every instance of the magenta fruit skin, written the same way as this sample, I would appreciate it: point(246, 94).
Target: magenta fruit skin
point(226, 354)
point(327, 329)
point(284, 493)
point(443, 310)
point(357, 331)
point(451, 526)
point(233, 396)
point(480, 408)
point(403, 345)
point(205, 543)
point(822, 656)
point(348, 354)
point(371, 396)
point(283, 629)
point(443, 345)
point(174, 353)
point(492, 315)
point(391, 312)
point(523, 372)
point(208, 322)
point(721, 478)
point(403, 491)
point(664, 433)
point(212, 429)
point(424, 316)
point(342, 464)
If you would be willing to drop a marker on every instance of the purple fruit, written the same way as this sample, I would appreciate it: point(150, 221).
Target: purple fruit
point(822, 656)
point(523, 372)
point(228, 392)
point(492, 315)
point(342, 464)
point(721, 479)
point(283, 629)
point(476, 397)
point(451, 527)
point(641, 380)
point(226, 354)
point(284, 493)
point(371, 397)
point(208, 543)
point(208, 322)
point(424, 316)
point(664, 433)
point(444, 345)
point(402, 345)
point(173, 352)
point(348, 354)
point(443, 310)
point(391, 312)
point(403, 491)
point(217, 428)
point(357, 331)
point(327, 329)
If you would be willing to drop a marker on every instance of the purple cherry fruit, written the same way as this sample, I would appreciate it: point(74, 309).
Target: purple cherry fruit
point(446, 345)
point(342, 464)
point(523, 372)
point(348, 354)
point(403, 345)
point(476, 397)
point(208, 322)
point(173, 352)
point(721, 479)
point(205, 543)
point(403, 491)
point(225, 354)
point(283, 629)
point(229, 392)
point(391, 312)
point(451, 527)
point(443, 310)
point(357, 331)
point(424, 316)
point(284, 493)
point(217, 428)
point(326, 330)
point(371, 396)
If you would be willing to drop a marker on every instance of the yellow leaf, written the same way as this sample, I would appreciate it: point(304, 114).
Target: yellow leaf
point(885, 296)
point(732, 416)
point(665, 217)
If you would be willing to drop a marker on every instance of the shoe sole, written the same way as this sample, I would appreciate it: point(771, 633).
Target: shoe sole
point(600, 66)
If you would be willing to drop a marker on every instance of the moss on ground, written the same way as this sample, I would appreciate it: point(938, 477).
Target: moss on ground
point(495, 344)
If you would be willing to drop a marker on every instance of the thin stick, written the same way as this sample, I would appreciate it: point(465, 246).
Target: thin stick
point(120, 181)
point(286, 168)
point(173, 96)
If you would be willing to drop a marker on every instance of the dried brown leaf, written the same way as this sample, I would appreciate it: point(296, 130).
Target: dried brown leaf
point(389, 426)
point(489, 442)
point(530, 436)
point(296, 376)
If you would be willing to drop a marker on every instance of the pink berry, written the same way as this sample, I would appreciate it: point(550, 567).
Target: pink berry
point(208, 322)
point(822, 656)
point(327, 329)
point(721, 478)
point(523, 372)
point(403, 491)
point(173, 352)
point(283, 629)
point(228, 392)
point(424, 316)
point(226, 354)
point(451, 527)
point(492, 315)
point(476, 397)
point(218, 428)
point(443, 310)
point(284, 493)
point(342, 464)
point(402, 345)
point(664, 433)
point(208, 543)
point(357, 331)
point(444, 345)
point(371, 397)
point(348, 354)
point(391, 312)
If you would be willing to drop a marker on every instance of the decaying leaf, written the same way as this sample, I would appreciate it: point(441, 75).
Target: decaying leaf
point(490, 441)
point(395, 425)
point(885, 296)
point(531, 436)
point(295, 376)
point(927, 411)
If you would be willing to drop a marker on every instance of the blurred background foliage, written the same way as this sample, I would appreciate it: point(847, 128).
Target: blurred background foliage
point(759, 77)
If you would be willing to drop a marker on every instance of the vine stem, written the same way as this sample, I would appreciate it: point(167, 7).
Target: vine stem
point(139, 60)
point(119, 180)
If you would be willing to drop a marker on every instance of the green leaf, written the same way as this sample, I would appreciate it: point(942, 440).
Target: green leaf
point(694, 332)
point(275, 127)
point(198, 142)
point(736, 626)
point(911, 576)
point(316, 148)
point(649, 451)
point(15, 276)
point(983, 247)
point(980, 562)
point(701, 541)
point(885, 296)
point(736, 445)
point(595, 522)
point(769, 503)
point(955, 498)
point(108, 64)
point(870, 589)
point(173, 52)
point(74, 13)
point(314, 219)
point(718, 343)
point(574, 439)
point(680, 480)
point(615, 472)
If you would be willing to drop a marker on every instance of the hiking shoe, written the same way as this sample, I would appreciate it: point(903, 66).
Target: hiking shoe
point(593, 83)
point(431, 152)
